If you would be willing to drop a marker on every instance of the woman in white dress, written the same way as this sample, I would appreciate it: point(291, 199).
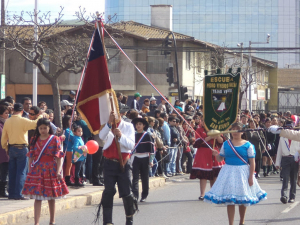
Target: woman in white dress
point(230, 187)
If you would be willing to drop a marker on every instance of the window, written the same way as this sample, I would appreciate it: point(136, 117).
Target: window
point(157, 63)
point(188, 60)
point(267, 77)
point(29, 65)
point(114, 60)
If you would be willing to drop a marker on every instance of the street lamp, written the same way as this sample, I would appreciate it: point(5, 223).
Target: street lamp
point(250, 66)
point(241, 46)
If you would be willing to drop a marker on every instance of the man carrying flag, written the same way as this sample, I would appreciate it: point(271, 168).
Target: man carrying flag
point(97, 104)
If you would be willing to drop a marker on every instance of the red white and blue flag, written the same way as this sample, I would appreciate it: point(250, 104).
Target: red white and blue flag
point(94, 103)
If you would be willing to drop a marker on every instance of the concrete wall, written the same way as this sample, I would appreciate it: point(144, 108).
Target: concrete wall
point(289, 78)
point(273, 85)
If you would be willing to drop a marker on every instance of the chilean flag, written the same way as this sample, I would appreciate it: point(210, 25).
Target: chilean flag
point(94, 101)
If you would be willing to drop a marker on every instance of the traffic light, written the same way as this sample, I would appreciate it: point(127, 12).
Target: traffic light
point(183, 93)
point(167, 44)
point(170, 75)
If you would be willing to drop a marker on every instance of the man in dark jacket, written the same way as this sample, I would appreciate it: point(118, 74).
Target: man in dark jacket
point(174, 142)
point(71, 97)
point(135, 103)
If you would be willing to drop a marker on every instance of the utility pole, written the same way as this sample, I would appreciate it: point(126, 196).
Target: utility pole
point(3, 47)
point(35, 69)
point(250, 67)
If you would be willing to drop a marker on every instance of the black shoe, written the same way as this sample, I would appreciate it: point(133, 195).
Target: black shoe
point(201, 198)
point(283, 199)
point(3, 189)
point(68, 181)
point(265, 174)
point(291, 200)
point(77, 183)
point(98, 184)
point(143, 200)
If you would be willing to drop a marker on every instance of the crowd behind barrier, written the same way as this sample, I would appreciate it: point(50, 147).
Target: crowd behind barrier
point(174, 148)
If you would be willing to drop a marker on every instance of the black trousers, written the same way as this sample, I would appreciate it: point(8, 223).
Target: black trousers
point(114, 175)
point(159, 166)
point(140, 166)
point(289, 173)
point(189, 163)
point(257, 165)
point(97, 165)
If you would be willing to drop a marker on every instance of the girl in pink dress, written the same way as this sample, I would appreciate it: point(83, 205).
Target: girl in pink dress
point(44, 180)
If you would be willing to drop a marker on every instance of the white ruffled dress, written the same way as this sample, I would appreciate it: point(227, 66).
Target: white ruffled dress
point(231, 186)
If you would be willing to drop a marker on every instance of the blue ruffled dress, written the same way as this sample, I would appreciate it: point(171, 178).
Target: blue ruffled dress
point(231, 186)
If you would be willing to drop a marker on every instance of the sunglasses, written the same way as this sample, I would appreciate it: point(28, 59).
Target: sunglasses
point(32, 114)
point(174, 121)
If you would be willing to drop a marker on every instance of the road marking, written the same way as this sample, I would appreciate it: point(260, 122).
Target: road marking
point(290, 207)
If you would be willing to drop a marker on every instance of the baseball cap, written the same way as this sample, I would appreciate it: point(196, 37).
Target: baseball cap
point(72, 93)
point(65, 103)
point(137, 95)
point(18, 107)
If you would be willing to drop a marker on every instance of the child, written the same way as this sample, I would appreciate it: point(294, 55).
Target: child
point(289, 167)
point(44, 180)
point(236, 184)
point(142, 157)
point(68, 148)
point(79, 153)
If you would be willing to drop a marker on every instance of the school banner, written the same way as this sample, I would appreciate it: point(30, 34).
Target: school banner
point(221, 98)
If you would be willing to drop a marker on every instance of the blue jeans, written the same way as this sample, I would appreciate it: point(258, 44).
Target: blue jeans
point(18, 163)
point(88, 167)
point(168, 164)
point(179, 157)
point(78, 167)
point(152, 170)
point(172, 164)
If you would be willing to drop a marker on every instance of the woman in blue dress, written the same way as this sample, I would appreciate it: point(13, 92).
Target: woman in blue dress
point(236, 184)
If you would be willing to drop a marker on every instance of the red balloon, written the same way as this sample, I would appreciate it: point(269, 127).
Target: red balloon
point(92, 146)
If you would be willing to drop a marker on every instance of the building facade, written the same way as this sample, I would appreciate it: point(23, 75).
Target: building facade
point(225, 22)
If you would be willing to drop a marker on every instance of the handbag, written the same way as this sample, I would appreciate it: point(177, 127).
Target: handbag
point(168, 156)
point(159, 143)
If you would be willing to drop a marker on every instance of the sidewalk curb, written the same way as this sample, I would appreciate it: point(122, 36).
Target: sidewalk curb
point(26, 215)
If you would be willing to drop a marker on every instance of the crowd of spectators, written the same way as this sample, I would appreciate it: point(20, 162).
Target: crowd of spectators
point(174, 133)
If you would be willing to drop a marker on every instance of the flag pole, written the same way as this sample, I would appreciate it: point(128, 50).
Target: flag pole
point(116, 139)
point(111, 104)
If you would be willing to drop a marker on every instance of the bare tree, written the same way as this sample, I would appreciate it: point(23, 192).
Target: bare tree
point(65, 53)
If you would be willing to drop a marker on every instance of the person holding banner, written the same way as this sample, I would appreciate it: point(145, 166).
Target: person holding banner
point(44, 180)
point(236, 184)
point(205, 166)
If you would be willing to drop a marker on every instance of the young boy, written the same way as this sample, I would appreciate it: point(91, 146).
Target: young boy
point(143, 155)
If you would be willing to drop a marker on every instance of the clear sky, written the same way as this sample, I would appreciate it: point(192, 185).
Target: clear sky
point(70, 6)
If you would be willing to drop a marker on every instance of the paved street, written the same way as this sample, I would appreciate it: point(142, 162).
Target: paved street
point(177, 203)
